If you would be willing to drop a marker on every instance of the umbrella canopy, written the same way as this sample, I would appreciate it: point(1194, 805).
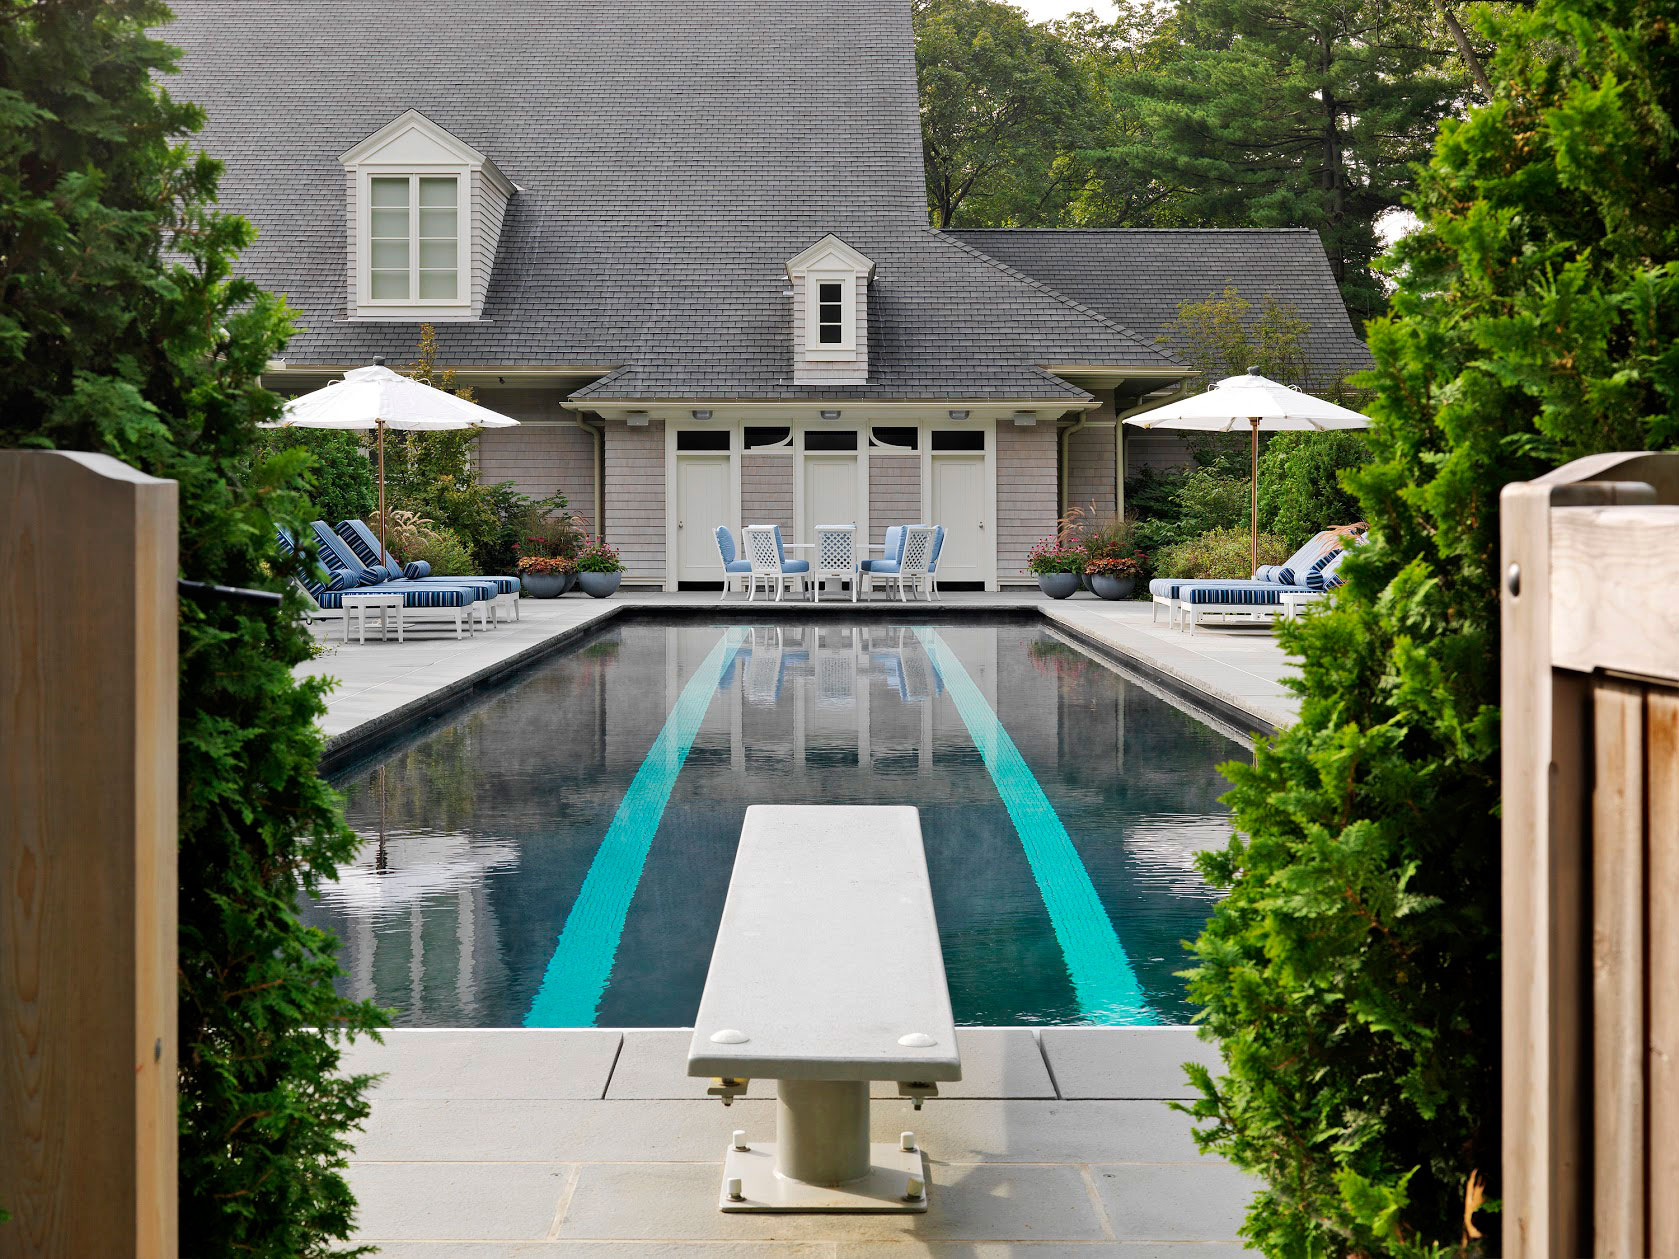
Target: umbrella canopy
point(378, 398)
point(1256, 403)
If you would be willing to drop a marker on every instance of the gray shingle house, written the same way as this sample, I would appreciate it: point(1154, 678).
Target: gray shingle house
point(687, 246)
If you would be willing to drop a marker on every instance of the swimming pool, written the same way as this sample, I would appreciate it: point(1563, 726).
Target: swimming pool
point(556, 854)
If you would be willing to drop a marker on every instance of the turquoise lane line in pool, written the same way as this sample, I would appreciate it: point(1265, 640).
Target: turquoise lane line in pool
point(1103, 981)
point(577, 973)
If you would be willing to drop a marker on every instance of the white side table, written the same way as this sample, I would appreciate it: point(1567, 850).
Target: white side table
point(359, 602)
point(1294, 601)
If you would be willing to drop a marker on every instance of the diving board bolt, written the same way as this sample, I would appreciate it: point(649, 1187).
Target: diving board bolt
point(740, 1139)
point(906, 1142)
point(734, 1187)
point(914, 1190)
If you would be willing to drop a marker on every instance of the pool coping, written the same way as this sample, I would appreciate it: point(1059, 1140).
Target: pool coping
point(1221, 709)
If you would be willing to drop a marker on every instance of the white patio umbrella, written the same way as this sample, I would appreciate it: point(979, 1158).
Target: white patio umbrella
point(378, 398)
point(1259, 403)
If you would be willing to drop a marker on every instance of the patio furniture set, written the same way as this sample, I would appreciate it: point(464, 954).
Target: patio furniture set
point(909, 558)
point(362, 578)
point(1274, 589)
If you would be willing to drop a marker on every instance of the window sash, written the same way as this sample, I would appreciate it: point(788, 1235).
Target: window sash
point(414, 240)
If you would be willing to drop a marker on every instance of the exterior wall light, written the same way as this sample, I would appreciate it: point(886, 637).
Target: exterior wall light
point(701, 415)
point(829, 415)
point(958, 415)
point(1025, 419)
point(636, 419)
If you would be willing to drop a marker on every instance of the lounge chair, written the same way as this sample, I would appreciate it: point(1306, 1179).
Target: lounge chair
point(365, 544)
point(733, 566)
point(1256, 600)
point(1167, 591)
point(419, 602)
point(340, 557)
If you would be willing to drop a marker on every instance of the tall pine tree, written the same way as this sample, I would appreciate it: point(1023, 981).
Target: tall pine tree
point(1295, 113)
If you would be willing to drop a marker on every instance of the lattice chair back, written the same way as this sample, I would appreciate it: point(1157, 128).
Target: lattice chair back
point(918, 550)
point(763, 549)
point(836, 548)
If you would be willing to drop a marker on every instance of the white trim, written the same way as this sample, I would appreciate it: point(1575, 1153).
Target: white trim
point(845, 349)
point(413, 306)
point(673, 555)
point(988, 479)
point(803, 527)
point(411, 132)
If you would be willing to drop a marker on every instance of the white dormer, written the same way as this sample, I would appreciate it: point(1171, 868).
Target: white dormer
point(425, 213)
point(830, 314)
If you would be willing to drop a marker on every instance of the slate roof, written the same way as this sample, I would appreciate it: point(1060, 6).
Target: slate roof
point(669, 157)
point(1143, 275)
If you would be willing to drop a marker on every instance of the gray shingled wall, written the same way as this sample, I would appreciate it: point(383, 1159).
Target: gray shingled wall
point(542, 460)
point(1090, 470)
point(766, 489)
point(894, 490)
point(854, 371)
point(488, 209)
point(635, 498)
point(1026, 495)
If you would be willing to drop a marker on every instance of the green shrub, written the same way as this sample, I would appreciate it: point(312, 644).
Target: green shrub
point(1351, 975)
point(106, 345)
point(1300, 489)
point(1219, 555)
point(444, 550)
point(342, 484)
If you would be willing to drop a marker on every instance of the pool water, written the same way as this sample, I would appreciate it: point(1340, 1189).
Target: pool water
point(557, 854)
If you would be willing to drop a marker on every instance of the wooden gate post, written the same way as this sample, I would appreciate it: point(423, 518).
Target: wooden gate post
point(87, 858)
point(1590, 620)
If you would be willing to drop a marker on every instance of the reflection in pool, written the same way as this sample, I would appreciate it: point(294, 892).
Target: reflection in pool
point(558, 853)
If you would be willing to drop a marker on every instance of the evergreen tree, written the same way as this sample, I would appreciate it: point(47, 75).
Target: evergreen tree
point(1294, 113)
point(108, 344)
point(1352, 973)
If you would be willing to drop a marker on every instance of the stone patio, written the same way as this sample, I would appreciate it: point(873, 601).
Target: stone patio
point(506, 1142)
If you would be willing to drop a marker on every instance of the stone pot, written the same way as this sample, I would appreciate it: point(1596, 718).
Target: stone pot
point(1059, 585)
point(547, 585)
point(599, 585)
point(1106, 587)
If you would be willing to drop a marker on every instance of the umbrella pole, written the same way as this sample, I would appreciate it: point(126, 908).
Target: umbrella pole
point(380, 425)
point(1254, 517)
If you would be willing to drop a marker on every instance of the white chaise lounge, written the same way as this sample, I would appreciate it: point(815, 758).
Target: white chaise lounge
point(826, 974)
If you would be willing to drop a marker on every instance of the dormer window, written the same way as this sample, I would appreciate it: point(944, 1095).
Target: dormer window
point(830, 313)
point(425, 216)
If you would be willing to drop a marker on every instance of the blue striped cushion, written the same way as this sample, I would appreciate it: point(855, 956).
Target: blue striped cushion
point(1255, 594)
point(1314, 574)
point(416, 569)
point(1168, 587)
point(360, 538)
point(1267, 572)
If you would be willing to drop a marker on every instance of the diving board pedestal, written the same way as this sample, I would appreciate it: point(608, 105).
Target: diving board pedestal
point(826, 974)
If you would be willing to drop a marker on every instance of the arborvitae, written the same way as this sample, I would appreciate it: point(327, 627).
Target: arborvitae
point(1352, 975)
point(124, 330)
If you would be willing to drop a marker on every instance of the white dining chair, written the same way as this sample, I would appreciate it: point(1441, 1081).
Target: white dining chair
point(836, 556)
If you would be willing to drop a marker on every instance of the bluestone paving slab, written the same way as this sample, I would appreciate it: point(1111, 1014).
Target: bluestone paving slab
point(996, 1062)
point(974, 1201)
point(610, 1250)
point(1125, 1062)
point(446, 1201)
point(488, 1062)
point(960, 1131)
point(1174, 1202)
point(1038, 1250)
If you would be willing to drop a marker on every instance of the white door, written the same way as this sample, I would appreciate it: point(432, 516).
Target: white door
point(958, 503)
point(702, 503)
point(831, 493)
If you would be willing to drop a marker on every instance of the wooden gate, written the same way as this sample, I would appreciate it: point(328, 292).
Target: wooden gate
point(1590, 678)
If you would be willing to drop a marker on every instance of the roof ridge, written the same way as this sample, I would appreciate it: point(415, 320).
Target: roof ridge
point(1116, 231)
point(1088, 311)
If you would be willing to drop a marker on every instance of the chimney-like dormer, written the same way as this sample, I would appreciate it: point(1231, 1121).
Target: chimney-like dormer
point(830, 314)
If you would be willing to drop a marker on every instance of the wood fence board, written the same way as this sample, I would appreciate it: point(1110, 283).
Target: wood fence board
point(1662, 793)
point(1615, 563)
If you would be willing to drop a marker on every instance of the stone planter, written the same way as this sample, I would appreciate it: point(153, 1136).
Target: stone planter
point(1059, 585)
point(547, 585)
point(1105, 587)
point(599, 585)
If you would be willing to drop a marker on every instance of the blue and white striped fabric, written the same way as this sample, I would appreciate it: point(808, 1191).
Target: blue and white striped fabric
point(1255, 594)
point(416, 569)
point(363, 547)
point(1168, 587)
point(1314, 575)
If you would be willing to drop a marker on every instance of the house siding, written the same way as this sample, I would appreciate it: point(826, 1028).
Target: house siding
point(635, 498)
point(851, 372)
point(544, 456)
point(1026, 495)
point(489, 207)
point(766, 489)
point(1161, 451)
point(1090, 470)
point(894, 490)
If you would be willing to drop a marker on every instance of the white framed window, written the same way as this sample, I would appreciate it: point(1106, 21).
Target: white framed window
point(830, 312)
point(414, 240)
point(831, 322)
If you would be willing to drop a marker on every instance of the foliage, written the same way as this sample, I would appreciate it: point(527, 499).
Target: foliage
point(1349, 974)
point(1300, 483)
point(1220, 554)
point(1294, 113)
point(557, 534)
point(547, 564)
point(1101, 533)
point(109, 345)
point(1000, 98)
point(1218, 336)
point(340, 479)
point(1051, 555)
point(595, 556)
point(1116, 566)
point(445, 551)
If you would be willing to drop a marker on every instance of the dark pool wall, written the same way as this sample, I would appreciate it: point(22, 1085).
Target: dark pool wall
point(491, 821)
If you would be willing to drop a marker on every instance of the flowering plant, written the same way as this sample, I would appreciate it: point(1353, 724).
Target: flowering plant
point(1052, 556)
point(595, 556)
point(1116, 566)
point(556, 565)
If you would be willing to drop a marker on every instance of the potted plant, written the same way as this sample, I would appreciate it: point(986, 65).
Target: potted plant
point(1058, 566)
point(1114, 576)
point(599, 570)
point(547, 576)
